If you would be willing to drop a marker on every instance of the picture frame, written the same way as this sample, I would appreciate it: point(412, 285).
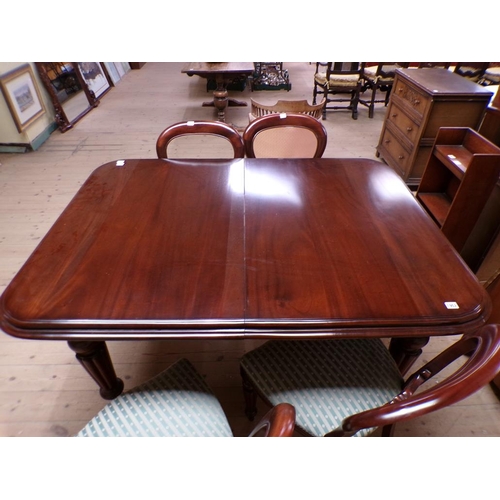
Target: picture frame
point(22, 96)
point(95, 77)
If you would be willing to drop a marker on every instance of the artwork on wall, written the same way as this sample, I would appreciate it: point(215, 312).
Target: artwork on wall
point(22, 95)
point(94, 76)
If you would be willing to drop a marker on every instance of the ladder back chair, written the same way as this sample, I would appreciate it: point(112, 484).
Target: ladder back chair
point(338, 82)
point(378, 78)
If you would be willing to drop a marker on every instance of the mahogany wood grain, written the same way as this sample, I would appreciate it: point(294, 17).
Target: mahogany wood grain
point(244, 248)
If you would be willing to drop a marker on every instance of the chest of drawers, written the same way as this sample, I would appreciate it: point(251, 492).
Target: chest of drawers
point(422, 101)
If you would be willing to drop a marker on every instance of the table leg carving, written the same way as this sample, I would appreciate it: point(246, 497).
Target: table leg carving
point(405, 351)
point(250, 396)
point(94, 357)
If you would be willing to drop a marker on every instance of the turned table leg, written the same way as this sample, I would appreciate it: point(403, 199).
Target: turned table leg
point(405, 351)
point(94, 357)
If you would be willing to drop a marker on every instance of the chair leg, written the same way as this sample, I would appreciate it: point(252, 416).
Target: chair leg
point(354, 103)
point(250, 396)
point(371, 107)
point(388, 430)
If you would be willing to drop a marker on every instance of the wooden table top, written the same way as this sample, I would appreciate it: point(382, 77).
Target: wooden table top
point(440, 81)
point(212, 68)
point(242, 248)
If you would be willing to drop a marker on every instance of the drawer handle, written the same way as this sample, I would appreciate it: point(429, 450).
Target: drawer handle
point(416, 101)
point(387, 141)
point(401, 157)
point(409, 129)
point(400, 89)
point(394, 115)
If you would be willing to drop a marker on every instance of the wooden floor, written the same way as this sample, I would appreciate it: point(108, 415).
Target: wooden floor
point(43, 389)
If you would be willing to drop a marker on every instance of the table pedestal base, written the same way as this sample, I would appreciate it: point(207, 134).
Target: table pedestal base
point(94, 357)
point(221, 100)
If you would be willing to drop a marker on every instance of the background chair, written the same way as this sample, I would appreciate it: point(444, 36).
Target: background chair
point(473, 71)
point(444, 65)
point(177, 403)
point(338, 82)
point(349, 387)
point(201, 128)
point(301, 107)
point(378, 78)
point(491, 75)
point(285, 135)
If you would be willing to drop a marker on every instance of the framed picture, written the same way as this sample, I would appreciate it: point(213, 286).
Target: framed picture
point(95, 77)
point(22, 96)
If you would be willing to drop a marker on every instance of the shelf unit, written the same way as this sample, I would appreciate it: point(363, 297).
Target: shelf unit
point(460, 175)
point(422, 101)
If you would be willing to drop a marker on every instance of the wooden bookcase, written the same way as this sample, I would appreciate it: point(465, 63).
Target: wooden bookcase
point(422, 101)
point(460, 175)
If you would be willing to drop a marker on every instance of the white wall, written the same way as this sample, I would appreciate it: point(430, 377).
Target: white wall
point(8, 130)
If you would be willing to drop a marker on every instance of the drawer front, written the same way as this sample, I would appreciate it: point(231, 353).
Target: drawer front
point(416, 100)
point(399, 156)
point(403, 123)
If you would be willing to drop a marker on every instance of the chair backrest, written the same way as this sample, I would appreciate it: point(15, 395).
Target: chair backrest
point(302, 107)
point(383, 70)
point(339, 68)
point(483, 363)
point(444, 65)
point(493, 289)
point(471, 70)
point(219, 129)
point(285, 135)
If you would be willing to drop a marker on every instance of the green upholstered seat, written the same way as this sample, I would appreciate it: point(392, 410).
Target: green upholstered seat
point(325, 380)
point(175, 403)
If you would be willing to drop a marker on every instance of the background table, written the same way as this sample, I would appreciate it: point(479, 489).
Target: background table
point(223, 73)
point(247, 248)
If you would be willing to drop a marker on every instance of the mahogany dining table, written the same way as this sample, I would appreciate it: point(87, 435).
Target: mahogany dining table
point(241, 249)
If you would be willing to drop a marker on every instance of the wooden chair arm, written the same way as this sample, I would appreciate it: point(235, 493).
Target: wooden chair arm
point(278, 422)
point(479, 369)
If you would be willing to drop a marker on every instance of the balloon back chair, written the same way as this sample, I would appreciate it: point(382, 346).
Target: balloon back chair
point(204, 129)
point(350, 387)
point(177, 403)
point(285, 135)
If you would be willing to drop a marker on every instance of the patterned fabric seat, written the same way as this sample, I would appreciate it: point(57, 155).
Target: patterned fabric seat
point(325, 380)
point(175, 403)
point(336, 80)
point(492, 76)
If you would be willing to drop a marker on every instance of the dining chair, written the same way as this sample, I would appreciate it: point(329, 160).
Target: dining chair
point(338, 82)
point(300, 106)
point(379, 77)
point(491, 75)
point(285, 135)
point(177, 403)
point(473, 71)
point(201, 128)
point(443, 65)
point(350, 387)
